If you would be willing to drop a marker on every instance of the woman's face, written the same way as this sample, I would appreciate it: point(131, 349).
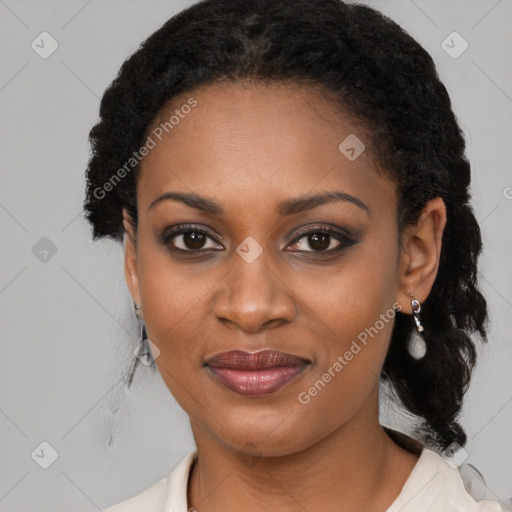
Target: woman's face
point(255, 269)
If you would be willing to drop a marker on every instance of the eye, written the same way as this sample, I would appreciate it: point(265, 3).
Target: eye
point(194, 239)
point(322, 239)
point(190, 238)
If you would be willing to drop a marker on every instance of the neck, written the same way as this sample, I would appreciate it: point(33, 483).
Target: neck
point(356, 467)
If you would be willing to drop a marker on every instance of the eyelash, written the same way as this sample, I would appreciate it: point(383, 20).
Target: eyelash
point(343, 237)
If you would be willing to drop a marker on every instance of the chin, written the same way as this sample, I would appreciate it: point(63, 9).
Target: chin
point(264, 434)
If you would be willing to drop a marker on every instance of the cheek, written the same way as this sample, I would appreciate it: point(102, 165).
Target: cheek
point(348, 369)
point(349, 361)
point(175, 305)
point(351, 296)
point(356, 304)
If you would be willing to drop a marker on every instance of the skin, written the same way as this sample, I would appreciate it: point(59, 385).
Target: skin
point(248, 147)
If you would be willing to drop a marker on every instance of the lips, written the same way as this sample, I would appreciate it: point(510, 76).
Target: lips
point(255, 373)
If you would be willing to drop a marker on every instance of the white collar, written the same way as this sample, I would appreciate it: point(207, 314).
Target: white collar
point(176, 495)
point(431, 485)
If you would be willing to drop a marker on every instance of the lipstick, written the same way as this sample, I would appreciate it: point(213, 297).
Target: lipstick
point(255, 373)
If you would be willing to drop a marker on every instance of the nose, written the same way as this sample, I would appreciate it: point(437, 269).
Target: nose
point(253, 297)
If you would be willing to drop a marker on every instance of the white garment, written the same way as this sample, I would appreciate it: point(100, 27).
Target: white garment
point(432, 486)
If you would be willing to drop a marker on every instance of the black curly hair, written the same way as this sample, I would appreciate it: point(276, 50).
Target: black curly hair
point(389, 83)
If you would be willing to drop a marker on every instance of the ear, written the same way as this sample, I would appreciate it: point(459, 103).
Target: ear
point(420, 253)
point(130, 258)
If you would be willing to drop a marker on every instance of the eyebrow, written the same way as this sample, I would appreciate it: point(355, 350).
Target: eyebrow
point(287, 207)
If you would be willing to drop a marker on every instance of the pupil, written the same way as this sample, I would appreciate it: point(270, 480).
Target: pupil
point(318, 241)
point(193, 240)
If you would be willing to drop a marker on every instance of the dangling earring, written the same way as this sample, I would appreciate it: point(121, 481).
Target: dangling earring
point(143, 350)
point(416, 308)
point(416, 345)
point(142, 327)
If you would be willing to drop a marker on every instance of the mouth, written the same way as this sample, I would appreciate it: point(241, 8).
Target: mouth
point(256, 373)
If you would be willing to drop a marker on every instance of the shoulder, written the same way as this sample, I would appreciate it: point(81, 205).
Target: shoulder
point(169, 493)
point(150, 499)
point(434, 485)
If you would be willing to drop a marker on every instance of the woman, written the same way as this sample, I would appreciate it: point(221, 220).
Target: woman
point(289, 182)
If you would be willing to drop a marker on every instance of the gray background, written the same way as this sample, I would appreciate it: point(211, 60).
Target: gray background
point(67, 324)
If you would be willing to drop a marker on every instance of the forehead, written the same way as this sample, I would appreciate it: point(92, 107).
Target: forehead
point(263, 140)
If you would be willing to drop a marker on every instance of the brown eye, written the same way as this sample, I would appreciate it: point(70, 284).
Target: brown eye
point(322, 240)
point(194, 240)
point(189, 239)
point(319, 242)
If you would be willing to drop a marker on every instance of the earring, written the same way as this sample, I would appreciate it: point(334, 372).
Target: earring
point(416, 345)
point(416, 308)
point(143, 350)
point(141, 322)
point(142, 335)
